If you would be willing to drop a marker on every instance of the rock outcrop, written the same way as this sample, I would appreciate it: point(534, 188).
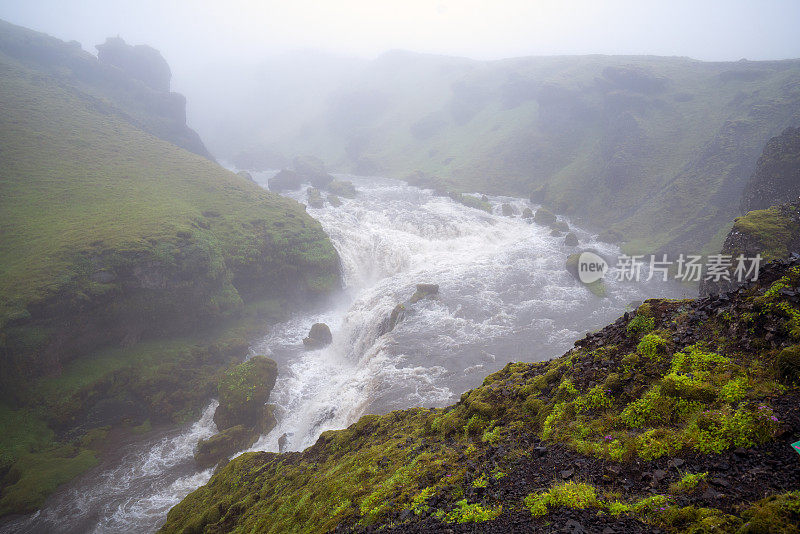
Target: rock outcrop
point(141, 62)
point(772, 233)
point(776, 179)
point(243, 391)
point(242, 415)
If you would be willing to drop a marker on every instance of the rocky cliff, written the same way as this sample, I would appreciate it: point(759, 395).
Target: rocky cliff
point(771, 225)
point(777, 176)
point(131, 81)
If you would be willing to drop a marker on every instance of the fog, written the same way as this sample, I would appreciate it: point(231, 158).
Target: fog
point(192, 34)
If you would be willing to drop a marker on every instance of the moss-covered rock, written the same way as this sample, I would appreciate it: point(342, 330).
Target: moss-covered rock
point(220, 447)
point(243, 391)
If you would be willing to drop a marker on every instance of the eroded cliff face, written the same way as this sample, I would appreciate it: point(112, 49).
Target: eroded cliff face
point(771, 224)
point(777, 176)
point(132, 81)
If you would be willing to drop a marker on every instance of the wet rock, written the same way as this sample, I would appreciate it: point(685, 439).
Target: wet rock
point(334, 201)
point(221, 446)
point(424, 291)
point(342, 188)
point(508, 210)
point(571, 240)
point(388, 324)
point(315, 198)
point(544, 217)
point(285, 180)
point(243, 391)
point(313, 170)
point(527, 213)
point(319, 336)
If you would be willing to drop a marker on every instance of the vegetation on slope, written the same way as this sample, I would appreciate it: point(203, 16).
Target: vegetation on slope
point(657, 149)
point(676, 417)
point(131, 270)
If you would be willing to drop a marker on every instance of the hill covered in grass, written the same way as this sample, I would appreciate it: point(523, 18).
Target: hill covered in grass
point(653, 150)
point(677, 417)
point(131, 270)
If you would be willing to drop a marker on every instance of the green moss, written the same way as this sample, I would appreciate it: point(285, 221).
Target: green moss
point(688, 483)
point(568, 494)
point(465, 512)
point(640, 324)
point(34, 476)
point(771, 229)
point(778, 514)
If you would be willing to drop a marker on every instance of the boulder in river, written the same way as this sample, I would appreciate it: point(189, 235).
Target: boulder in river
point(342, 188)
point(571, 240)
point(220, 447)
point(243, 391)
point(544, 217)
point(315, 199)
point(319, 336)
point(508, 210)
point(527, 213)
point(285, 180)
point(312, 170)
point(334, 201)
point(424, 291)
point(388, 324)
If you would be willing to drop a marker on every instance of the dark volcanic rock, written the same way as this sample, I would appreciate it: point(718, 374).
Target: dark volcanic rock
point(319, 336)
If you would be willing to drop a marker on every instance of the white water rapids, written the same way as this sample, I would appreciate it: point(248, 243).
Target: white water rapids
point(504, 296)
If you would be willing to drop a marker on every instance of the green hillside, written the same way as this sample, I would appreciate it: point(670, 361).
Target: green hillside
point(131, 272)
point(658, 149)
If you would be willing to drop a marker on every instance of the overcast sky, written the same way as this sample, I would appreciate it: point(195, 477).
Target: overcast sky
point(191, 33)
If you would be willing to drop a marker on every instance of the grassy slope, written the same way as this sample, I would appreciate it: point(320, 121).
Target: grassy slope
point(77, 179)
point(84, 193)
point(664, 161)
point(689, 378)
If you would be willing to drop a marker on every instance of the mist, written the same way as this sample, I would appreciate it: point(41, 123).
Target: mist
point(407, 267)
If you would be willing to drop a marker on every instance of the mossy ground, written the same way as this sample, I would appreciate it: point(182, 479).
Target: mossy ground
point(697, 380)
point(49, 440)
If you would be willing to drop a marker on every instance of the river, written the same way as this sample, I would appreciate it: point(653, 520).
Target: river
point(504, 295)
